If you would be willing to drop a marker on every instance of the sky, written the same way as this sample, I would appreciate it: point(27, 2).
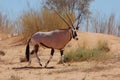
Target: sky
point(106, 7)
point(13, 8)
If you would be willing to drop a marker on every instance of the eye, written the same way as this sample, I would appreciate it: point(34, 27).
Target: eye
point(77, 28)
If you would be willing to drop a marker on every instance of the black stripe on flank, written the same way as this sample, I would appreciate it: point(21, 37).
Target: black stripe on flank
point(44, 45)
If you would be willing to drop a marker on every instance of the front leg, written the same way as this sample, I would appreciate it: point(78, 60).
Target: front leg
point(36, 51)
point(38, 59)
point(62, 56)
point(51, 55)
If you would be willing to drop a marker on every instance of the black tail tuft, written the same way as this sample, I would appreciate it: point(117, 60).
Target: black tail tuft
point(27, 51)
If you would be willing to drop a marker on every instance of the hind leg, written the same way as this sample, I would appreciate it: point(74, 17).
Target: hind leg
point(51, 55)
point(36, 50)
point(32, 52)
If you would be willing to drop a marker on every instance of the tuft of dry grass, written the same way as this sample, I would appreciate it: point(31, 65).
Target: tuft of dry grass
point(103, 45)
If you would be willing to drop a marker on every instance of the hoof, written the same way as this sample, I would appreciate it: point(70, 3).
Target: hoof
point(45, 66)
point(41, 65)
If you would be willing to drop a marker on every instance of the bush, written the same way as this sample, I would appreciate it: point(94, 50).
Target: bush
point(82, 54)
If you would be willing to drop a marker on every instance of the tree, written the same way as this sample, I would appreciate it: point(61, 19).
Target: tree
point(73, 7)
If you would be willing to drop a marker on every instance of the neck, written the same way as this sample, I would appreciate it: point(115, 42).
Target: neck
point(70, 32)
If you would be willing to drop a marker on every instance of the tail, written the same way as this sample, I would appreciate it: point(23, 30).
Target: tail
point(28, 50)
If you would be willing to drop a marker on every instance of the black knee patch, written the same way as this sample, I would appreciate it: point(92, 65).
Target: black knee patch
point(32, 52)
point(36, 48)
point(52, 51)
point(61, 52)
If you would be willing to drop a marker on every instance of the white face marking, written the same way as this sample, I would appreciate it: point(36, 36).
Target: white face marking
point(74, 33)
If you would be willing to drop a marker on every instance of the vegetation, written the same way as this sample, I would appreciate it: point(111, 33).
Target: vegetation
point(45, 19)
point(82, 54)
point(103, 24)
point(33, 21)
point(72, 7)
point(5, 25)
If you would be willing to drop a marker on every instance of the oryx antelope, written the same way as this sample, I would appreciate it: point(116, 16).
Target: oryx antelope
point(56, 39)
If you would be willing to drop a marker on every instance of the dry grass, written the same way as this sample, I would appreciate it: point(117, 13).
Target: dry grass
point(33, 21)
point(5, 25)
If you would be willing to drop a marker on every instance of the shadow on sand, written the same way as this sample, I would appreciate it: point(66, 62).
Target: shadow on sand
point(26, 67)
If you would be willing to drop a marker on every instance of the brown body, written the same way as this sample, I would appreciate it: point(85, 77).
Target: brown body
point(56, 39)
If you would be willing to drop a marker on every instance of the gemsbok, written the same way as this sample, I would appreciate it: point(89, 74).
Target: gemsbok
point(56, 39)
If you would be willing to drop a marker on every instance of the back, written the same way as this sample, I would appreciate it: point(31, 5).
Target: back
point(55, 39)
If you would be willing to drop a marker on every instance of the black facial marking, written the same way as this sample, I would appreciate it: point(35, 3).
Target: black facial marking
point(74, 34)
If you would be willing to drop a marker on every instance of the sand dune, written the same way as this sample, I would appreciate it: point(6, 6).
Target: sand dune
point(12, 69)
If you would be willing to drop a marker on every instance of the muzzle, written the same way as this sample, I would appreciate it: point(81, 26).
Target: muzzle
point(76, 38)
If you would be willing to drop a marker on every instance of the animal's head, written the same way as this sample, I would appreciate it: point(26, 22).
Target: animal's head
point(74, 33)
point(74, 27)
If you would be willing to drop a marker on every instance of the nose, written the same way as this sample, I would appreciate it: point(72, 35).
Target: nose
point(76, 38)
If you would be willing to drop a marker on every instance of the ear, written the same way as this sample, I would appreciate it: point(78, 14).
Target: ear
point(69, 27)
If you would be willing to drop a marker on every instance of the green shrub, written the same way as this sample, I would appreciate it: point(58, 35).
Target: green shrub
point(82, 54)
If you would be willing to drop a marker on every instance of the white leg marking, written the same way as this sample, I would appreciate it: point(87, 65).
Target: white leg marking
point(38, 59)
point(48, 61)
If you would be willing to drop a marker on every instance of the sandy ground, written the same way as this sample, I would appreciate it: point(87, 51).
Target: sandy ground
point(12, 69)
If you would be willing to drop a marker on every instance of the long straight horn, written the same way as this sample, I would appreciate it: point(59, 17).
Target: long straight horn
point(70, 19)
point(79, 18)
point(62, 18)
